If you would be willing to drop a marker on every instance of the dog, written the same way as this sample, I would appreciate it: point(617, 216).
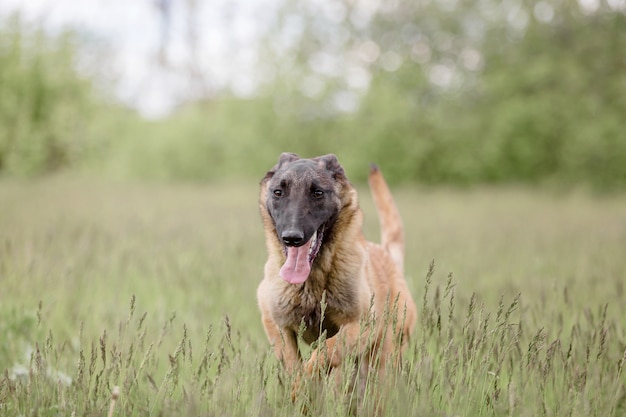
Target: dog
point(322, 277)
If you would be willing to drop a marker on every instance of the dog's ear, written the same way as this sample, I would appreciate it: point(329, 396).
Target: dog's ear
point(285, 158)
point(331, 164)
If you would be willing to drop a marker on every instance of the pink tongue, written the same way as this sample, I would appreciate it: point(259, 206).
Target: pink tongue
point(296, 269)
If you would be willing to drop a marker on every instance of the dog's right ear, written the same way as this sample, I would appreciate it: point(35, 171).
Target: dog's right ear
point(285, 158)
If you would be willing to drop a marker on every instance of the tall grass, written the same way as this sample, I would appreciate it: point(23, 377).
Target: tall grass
point(150, 288)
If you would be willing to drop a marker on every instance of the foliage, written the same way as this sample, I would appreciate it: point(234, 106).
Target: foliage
point(436, 92)
point(152, 289)
point(476, 92)
point(559, 118)
point(44, 102)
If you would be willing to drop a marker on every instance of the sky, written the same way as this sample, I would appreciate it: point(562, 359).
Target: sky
point(132, 32)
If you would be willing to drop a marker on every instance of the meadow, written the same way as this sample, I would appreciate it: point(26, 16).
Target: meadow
point(151, 287)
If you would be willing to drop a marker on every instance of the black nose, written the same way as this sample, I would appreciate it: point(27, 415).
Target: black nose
point(292, 237)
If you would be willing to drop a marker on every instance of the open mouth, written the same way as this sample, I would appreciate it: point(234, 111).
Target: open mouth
point(297, 267)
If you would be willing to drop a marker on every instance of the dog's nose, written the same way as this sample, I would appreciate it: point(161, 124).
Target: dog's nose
point(292, 237)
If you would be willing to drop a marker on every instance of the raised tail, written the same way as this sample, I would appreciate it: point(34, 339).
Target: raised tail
point(391, 230)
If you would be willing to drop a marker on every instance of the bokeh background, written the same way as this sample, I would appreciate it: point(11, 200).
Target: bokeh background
point(436, 91)
point(133, 135)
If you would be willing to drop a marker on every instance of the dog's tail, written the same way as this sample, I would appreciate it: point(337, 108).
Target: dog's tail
point(391, 231)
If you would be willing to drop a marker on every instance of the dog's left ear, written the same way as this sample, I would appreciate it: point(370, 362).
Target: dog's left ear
point(331, 164)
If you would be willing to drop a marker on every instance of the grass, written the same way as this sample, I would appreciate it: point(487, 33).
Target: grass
point(152, 288)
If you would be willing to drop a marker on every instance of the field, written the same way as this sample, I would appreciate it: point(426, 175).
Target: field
point(151, 287)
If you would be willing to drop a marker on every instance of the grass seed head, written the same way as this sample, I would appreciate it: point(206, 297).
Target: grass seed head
point(115, 393)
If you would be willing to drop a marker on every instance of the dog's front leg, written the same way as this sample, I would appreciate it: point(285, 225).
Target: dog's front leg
point(350, 338)
point(284, 343)
point(285, 346)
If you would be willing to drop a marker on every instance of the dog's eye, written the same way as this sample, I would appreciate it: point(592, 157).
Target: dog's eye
point(278, 193)
point(318, 193)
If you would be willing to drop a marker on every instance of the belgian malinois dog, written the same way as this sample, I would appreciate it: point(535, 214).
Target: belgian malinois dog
point(322, 276)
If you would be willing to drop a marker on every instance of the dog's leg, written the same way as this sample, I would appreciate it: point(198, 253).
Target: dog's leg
point(284, 343)
point(282, 340)
point(285, 346)
point(352, 337)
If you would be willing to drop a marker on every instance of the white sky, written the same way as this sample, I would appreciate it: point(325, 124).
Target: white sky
point(227, 32)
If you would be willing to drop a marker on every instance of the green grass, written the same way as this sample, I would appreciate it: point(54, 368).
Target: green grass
point(152, 288)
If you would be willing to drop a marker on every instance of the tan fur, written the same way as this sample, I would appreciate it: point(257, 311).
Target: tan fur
point(359, 280)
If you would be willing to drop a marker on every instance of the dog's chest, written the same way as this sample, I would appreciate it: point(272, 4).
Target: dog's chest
point(303, 306)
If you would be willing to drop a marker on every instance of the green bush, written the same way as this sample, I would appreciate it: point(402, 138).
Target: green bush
point(44, 102)
point(546, 105)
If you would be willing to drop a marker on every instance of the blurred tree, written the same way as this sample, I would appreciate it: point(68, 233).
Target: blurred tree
point(436, 91)
point(551, 100)
point(449, 91)
point(44, 103)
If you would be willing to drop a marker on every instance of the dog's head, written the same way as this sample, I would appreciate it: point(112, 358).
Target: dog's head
point(302, 198)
